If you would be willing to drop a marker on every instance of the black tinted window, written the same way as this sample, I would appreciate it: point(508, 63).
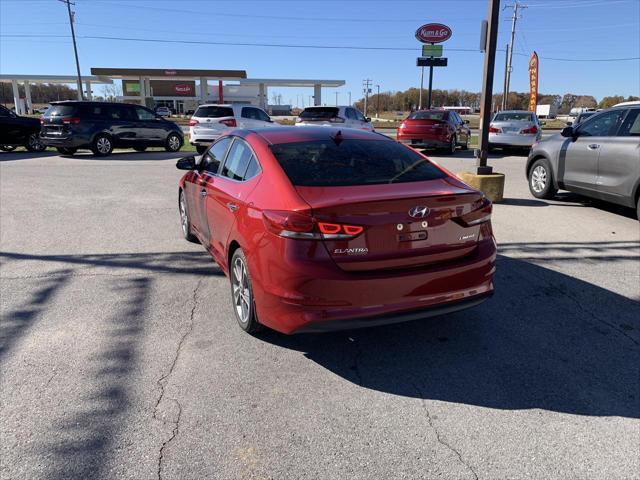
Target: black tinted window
point(237, 160)
point(352, 162)
point(144, 114)
point(248, 112)
point(261, 115)
point(213, 112)
point(513, 117)
point(61, 111)
point(350, 113)
point(631, 125)
point(253, 169)
point(421, 115)
point(602, 125)
point(319, 113)
point(215, 155)
point(359, 115)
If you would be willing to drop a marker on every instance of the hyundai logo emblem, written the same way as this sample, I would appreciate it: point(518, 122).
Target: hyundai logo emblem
point(419, 212)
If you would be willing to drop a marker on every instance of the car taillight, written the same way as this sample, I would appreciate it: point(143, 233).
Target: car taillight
point(336, 120)
point(403, 126)
point(481, 213)
point(532, 129)
point(42, 121)
point(193, 122)
point(71, 121)
point(302, 226)
point(494, 129)
point(229, 122)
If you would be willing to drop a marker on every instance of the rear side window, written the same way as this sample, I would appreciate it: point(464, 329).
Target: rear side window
point(319, 113)
point(61, 111)
point(213, 112)
point(237, 161)
point(328, 163)
point(421, 115)
point(631, 125)
point(215, 155)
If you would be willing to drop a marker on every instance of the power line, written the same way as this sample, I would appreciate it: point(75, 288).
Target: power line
point(284, 45)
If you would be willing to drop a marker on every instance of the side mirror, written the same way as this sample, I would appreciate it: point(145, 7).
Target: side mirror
point(367, 119)
point(186, 163)
point(569, 124)
point(568, 132)
point(542, 123)
point(466, 122)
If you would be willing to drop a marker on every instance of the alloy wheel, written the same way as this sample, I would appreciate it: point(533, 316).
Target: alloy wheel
point(103, 145)
point(539, 179)
point(242, 300)
point(35, 144)
point(174, 143)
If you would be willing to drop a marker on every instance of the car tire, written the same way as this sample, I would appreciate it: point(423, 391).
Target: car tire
point(66, 150)
point(638, 208)
point(451, 149)
point(173, 143)
point(139, 149)
point(541, 179)
point(8, 148)
point(201, 149)
point(34, 144)
point(102, 145)
point(465, 145)
point(242, 300)
point(185, 221)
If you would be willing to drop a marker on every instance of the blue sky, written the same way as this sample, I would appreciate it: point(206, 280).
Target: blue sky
point(567, 29)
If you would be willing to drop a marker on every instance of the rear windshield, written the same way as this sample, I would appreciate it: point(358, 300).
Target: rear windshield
point(60, 110)
point(513, 117)
point(427, 115)
point(213, 112)
point(316, 113)
point(327, 163)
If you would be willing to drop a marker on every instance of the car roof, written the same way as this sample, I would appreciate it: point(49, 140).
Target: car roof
point(291, 134)
point(515, 111)
point(222, 105)
point(90, 102)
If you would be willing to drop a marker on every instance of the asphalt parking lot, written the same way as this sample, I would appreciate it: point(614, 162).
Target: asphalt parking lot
point(120, 356)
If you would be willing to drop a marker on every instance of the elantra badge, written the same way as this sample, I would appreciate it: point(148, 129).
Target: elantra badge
point(419, 212)
point(352, 251)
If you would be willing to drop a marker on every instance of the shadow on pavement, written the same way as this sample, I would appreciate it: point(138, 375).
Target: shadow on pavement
point(128, 156)
point(544, 341)
point(16, 323)
point(187, 263)
point(24, 155)
point(569, 198)
point(83, 441)
point(523, 202)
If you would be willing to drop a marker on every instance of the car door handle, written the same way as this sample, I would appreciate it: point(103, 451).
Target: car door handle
point(203, 193)
point(232, 206)
point(594, 146)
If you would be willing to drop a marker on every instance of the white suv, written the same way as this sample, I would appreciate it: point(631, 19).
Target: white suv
point(210, 121)
point(347, 117)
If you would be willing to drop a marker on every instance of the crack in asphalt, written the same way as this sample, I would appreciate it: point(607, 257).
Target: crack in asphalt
point(161, 382)
point(562, 291)
point(439, 438)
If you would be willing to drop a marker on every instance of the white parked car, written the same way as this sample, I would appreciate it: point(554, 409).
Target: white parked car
point(210, 121)
point(343, 116)
point(515, 129)
point(163, 111)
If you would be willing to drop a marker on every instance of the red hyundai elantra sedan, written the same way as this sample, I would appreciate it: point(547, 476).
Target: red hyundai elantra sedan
point(324, 229)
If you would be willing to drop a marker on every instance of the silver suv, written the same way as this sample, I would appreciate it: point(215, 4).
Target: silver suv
point(599, 158)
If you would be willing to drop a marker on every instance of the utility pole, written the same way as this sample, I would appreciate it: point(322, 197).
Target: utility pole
point(506, 69)
point(336, 99)
point(350, 100)
point(421, 87)
point(366, 86)
point(378, 101)
point(75, 48)
point(507, 74)
point(430, 88)
point(487, 88)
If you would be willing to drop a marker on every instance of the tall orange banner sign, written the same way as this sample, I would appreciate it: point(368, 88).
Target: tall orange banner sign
point(533, 82)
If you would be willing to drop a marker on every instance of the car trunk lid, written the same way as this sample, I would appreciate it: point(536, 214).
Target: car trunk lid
point(392, 237)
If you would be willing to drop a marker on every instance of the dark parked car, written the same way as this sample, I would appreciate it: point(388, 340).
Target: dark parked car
point(16, 131)
point(101, 127)
point(435, 128)
point(599, 158)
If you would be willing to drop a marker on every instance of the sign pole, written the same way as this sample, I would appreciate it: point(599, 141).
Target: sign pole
point(421, 87)
point(487, 88)
point(430, 87)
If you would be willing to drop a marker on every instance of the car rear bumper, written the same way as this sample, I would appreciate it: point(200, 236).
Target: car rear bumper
point(304, 296)
point(423, 140)
point(511, 140)
point(64, 142)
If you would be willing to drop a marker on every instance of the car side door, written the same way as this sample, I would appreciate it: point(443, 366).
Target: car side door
point(362, 122)
point(12, 132)
point(205, 185)
point(619, 161)
point(228, 201)
point(149, 126)
point(578, 156)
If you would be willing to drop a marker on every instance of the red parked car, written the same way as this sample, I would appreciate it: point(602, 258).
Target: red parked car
point(435, 129)
point(323, 229)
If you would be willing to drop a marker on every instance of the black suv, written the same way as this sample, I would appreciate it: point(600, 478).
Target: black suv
point(16, 131)
point(102, 126)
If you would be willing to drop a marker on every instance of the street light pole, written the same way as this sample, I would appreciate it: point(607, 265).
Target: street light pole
point(487, 88)
point(378, 101)
point(421, 86)
point(336, 99)
point(75, 48)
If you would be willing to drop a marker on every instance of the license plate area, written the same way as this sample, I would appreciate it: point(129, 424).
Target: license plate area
point(412, 236)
